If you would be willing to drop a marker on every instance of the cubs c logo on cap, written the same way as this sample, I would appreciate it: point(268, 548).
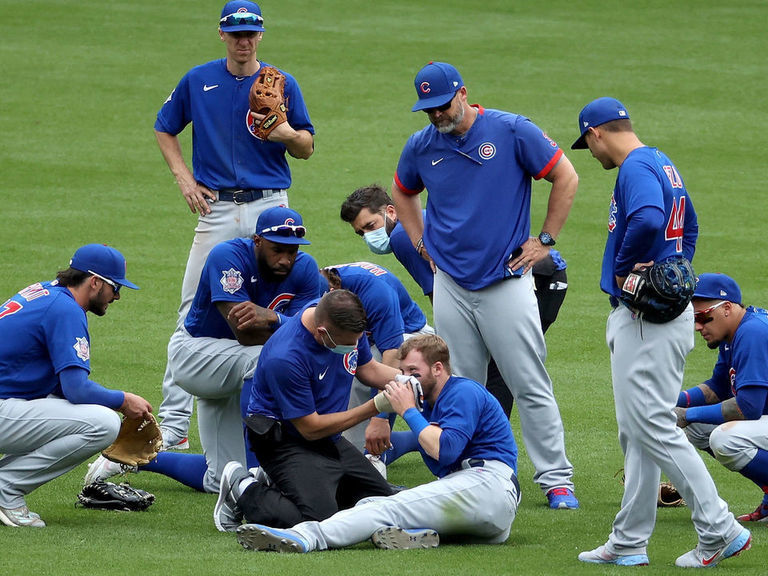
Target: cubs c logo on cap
point(289, 221)
point(425, 87)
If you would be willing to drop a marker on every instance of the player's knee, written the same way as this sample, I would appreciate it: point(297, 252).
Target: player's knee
point(726, 448)
point(104, 426)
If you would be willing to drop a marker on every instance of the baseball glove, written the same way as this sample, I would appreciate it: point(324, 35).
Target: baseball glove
point(266, 97)
point(669, 497)
point(109, 496)
point(138, 442)
point(661, 292)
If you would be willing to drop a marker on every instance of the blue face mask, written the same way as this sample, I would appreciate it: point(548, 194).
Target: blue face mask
point(342, 349)
point(378, 241)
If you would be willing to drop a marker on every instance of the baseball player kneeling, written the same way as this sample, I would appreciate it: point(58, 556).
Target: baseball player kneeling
point(464, 439)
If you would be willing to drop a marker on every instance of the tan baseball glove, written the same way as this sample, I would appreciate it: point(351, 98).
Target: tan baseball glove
point(669, 497)
point(266, 97)
point(138, 442)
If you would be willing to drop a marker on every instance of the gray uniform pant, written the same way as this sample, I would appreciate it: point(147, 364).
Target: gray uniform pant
point(477, 502)
point(226, 221)
point(213, 370)
point(734, 444)
point(45, 438)
point(359, 394)
point(502, 321)
point(647, 363)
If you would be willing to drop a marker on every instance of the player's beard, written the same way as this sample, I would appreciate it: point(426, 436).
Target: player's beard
point(98, 305)
point(269, 274)
point(447, 124)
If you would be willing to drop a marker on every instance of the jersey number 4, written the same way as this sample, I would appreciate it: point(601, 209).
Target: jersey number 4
point(10, 307)
point(674, 230)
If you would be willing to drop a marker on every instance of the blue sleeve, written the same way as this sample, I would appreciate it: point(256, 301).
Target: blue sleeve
point(67, 338)
point(383, 310)
point(226, 275)
point(308, 286)
point(407, 176)
point(78, 389)
point(457, 418)
point(537, 152)
point(298, 115)
point(176, 112)
point(691, 231)
point(406, 254)
point(711, 414)
point(642, 225)
point(751, 401)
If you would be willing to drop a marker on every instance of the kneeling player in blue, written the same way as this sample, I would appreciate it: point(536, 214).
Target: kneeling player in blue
point(392, 316)
point(728, 414)
point(297, 411)
point(52, 416)
point(465, 440)
point(248, 289)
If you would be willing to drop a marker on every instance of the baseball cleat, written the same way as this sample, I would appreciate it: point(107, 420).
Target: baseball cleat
point(378, 463)
point(20, 517)
point(266, 539)
point(394, 538)
point(562, 499)
point(601, 556)
point(698, 558)
point(174, 441)
point(101, 469)
point(759, 515)
point(227, 515)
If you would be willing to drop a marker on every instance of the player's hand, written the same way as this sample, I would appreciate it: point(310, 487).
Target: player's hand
point(197, 196)
point(682, 422)
point(377, 436)
point(281, 133)
point(249, 316)
point(134, 406)
point(532, 251)
point(400, 395)
point(621, 279)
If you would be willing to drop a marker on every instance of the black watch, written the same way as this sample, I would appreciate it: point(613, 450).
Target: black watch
point(546, 239)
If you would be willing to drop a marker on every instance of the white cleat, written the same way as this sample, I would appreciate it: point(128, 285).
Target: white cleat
point(101, 469)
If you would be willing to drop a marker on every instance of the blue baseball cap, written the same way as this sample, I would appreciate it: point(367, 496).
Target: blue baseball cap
point(598, 112)
point(717, 287)
point(281, 225)
point(102, 260)
point(241, 16)
point(436, 84)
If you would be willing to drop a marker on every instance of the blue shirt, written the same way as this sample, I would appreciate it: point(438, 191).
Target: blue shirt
point(43, 330)
point(296, 376)
point(390, 310)
point(406, 254)
point(743, 362)
point(231, 274)
point(478, 208)
point(225, 153)
point(473, 424)
point(647, 178)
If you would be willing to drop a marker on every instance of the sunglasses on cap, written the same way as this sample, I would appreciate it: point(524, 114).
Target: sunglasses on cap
point(703, 317)
point(442, 108)
point(240, 18)
point(115, 287)
point(285, 230)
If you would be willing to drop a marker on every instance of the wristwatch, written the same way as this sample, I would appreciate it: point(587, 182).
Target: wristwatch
point(546, 239)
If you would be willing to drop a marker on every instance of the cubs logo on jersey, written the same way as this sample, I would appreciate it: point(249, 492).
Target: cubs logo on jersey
point(231, 280)
point(281, 301)
point(350, 362)
point(82, 348)
point(612, 214)
point(486, 150)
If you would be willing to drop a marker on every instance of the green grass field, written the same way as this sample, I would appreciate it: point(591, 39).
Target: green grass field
point(81, 84)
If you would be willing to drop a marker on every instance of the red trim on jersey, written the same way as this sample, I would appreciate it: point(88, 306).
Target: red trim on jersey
point(480, 109)
point(549, 166)
point(405, 190)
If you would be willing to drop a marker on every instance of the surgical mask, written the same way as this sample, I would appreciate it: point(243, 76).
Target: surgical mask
point(342, 349)
point(378, 241)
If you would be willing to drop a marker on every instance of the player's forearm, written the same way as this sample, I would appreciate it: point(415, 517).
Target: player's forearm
point(376, 375)
point(565, 182)
point(317, 426)
point(409, 213)
point(300, 146)
point(171, 149)
point(428, 436)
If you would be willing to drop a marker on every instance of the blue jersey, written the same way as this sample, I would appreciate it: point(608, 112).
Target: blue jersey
point(743, 362)
point(390, 310)
point(406, 254)
point(479, 185)
point(225, 152)
point(43, 330)
point(296, 376)
point(231, 274)
point(473, 424)
point(647, 178)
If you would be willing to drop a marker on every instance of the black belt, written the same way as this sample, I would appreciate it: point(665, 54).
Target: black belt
point(480, 463)
point(244, 196)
